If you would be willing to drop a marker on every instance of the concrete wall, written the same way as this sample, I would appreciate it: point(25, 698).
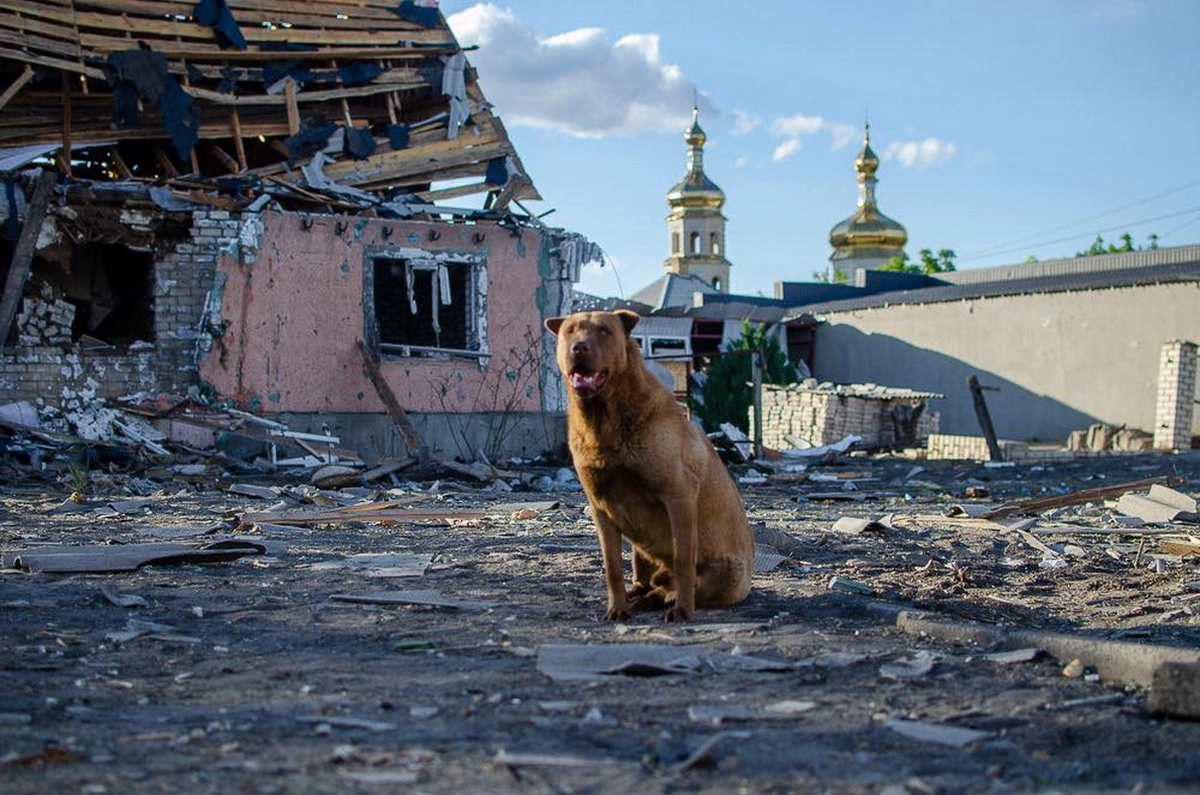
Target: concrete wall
point(1061, 360)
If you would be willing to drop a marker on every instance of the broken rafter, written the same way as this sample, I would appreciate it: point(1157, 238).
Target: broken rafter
point(1039, 504)
point(22, 258)
point(16, 86)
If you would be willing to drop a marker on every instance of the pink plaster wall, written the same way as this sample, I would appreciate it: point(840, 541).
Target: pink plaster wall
point(295, 314)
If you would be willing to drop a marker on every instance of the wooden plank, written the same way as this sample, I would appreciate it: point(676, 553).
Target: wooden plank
point(239, 145)
point(22, 259)
point(218, 98)
point(120, 165)
point(223, 156)
point(16, 86)
point(411, 438)
point(293, 111)
point(985, 419)
point(1039, 504)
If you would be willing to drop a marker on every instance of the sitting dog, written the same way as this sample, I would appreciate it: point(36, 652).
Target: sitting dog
point(650, 475)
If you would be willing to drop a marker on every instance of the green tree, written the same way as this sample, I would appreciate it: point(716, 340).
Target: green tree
point(942, 262)
point(728, 394)
point(1099, 247)
point(824, 276)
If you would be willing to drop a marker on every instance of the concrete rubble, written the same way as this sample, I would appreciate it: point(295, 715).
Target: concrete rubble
point(439, 624)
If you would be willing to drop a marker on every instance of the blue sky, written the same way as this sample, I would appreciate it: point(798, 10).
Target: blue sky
point(1005, 129)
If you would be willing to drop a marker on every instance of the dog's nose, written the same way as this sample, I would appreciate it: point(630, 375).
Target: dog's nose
point(580, 347)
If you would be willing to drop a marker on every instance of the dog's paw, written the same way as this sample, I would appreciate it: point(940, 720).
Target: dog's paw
point(617, 614)
point(677, 613)
point(649, 600)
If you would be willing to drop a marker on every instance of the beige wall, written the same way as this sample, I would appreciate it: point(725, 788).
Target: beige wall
point(1061, 360)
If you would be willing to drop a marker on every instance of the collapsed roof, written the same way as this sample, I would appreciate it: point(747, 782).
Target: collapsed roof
point(340, 106)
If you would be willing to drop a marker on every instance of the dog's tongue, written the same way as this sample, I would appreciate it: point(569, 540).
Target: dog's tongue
point(587, 382)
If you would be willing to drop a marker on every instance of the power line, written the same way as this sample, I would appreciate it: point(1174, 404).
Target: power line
point(1121, 227)
point(987, 252)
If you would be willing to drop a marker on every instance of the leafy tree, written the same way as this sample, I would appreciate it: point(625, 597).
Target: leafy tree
point(728, 394)
point(1098, 246)
point(942, 262)
point(824, 276)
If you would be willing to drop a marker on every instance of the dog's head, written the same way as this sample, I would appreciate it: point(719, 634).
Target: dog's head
point(593, 347)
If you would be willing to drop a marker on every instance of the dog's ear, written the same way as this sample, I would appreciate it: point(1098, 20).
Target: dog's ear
point(628, 319)
point(554, 323)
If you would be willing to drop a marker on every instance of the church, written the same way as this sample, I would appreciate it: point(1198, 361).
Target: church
point(696, 270)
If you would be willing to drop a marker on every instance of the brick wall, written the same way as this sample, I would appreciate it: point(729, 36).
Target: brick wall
point(822, 415)
point(183, 278)
point(1176, 396)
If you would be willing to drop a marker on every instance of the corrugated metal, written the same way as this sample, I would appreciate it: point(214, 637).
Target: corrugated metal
point(1087, 280)
point(654, 326)
point(1076, 265)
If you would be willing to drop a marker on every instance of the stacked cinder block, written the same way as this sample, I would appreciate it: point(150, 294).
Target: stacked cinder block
point(819, 414)
point(971, 448)
point(46, 320)
point(1176, 402)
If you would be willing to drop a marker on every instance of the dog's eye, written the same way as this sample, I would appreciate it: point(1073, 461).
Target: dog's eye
point(604, 331)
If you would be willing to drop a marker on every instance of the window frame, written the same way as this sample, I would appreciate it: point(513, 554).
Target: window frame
point(475, 315)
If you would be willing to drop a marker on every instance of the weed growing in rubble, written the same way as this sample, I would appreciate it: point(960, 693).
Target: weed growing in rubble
point(484, 423)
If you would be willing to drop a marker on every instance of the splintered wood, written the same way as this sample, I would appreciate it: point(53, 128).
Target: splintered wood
point(242, 84)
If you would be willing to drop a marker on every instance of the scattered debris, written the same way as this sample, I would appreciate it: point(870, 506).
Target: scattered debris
point(427, 598)
point(936, 733)
point(107, 559)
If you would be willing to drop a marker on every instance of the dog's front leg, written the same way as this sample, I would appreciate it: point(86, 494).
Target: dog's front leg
point(614, 573)
point(682, 512)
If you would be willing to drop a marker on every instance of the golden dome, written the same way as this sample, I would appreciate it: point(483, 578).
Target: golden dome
point(868, 232)
point(696, 189)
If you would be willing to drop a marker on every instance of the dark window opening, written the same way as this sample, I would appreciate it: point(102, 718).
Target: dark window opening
point(423, 306)
point(112, 290)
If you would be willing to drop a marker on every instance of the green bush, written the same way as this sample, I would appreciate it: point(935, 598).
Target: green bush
point(728, 394)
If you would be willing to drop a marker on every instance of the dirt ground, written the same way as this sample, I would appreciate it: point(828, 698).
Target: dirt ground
point(252, 677)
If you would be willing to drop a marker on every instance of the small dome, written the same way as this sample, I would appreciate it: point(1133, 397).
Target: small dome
point(696, 189)
point(867, 233)
point(868, 228)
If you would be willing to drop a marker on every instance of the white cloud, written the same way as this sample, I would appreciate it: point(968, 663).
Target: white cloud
point(741, 162)
point(920, 154)
point(745, 122)
point(580, 82)
point(786, 149)
point(842, 134)
point(797, 125)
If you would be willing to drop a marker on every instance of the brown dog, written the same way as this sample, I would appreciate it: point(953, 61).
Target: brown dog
point(650, 476)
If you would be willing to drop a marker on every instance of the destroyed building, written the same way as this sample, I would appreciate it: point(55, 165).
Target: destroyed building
point(310, 212)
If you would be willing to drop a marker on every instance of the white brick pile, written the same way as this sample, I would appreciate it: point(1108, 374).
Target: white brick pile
point(45, 321)
point(820, 414)
point(1176, 396)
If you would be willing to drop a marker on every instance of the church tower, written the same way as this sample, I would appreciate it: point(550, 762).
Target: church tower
point(868, 239)
point(695, 225)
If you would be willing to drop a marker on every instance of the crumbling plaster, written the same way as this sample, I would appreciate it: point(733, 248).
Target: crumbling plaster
point(292, 307)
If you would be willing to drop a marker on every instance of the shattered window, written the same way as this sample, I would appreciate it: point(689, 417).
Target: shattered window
point(103, 299)
point(667, 346)
point(112, 289)
point(424, 305)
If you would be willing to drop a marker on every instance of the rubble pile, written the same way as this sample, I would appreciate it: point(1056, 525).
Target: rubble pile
point(45, 321)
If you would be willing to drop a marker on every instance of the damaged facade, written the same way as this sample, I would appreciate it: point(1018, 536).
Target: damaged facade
point(245, 199)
